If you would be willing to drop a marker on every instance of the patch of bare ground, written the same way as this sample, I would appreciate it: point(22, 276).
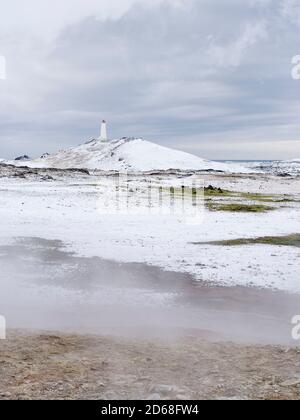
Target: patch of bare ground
point(47, 366)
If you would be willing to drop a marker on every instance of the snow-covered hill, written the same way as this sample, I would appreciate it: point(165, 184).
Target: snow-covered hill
point(127, 154)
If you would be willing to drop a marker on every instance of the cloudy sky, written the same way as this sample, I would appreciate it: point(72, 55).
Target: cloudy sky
point(211, 77)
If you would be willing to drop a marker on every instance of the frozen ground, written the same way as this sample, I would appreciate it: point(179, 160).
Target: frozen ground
point(72, 208)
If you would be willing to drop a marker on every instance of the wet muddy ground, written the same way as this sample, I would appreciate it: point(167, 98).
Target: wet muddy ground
point(44, 287)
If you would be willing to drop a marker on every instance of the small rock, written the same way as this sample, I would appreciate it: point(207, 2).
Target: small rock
point(5, 394)
point(291, 382)
point(47, 178)
point(183, 397)
point(154, 397)
point(101, 384)
point(110, 395)
point(163, 389)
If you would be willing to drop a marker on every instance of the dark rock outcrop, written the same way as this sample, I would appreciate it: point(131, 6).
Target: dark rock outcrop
point(24, 157)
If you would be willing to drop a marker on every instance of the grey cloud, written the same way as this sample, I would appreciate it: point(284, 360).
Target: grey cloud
point(195, 75)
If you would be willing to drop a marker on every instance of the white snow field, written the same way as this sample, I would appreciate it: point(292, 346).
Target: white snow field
point(127, 154)
point(69, 209)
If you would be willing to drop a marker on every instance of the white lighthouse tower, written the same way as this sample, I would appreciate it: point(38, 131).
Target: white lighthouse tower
point(103, 135)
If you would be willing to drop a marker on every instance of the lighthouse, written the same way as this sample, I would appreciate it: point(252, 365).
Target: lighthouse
point(103, 135)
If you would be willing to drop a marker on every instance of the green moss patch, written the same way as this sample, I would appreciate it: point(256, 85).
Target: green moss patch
point(257, 197)
point(238, 207)
point(289, 240)
point(268, 198)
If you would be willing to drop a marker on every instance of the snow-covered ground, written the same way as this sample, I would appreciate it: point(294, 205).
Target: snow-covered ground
point(70, 209)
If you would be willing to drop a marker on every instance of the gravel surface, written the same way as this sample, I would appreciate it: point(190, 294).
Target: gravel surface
point(46, 366)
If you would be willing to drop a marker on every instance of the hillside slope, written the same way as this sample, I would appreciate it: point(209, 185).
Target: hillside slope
point(128, 154)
